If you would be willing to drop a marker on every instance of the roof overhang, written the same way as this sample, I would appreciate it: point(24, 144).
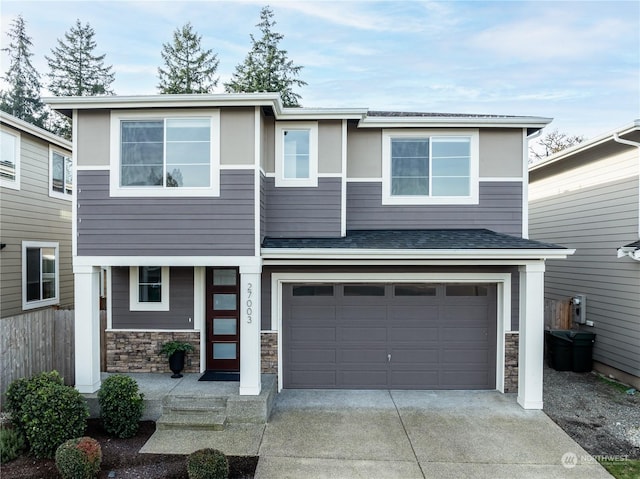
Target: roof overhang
point(532, 124)
point(26, 127)
point(416, 254)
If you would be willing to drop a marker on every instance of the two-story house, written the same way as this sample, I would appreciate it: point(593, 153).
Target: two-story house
point(36, 185)
point(337, 248)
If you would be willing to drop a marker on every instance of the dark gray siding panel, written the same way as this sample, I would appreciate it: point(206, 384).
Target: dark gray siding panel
point(199, 226)
point(266, 302)
point(263, 207)
point(500, 209)
point(304, 212)
point(180, 315)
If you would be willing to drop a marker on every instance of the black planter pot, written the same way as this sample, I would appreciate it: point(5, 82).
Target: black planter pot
point(176, 363)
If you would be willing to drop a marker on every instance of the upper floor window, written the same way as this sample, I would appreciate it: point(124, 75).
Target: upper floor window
point(422, 167)
point(149, 288)
point(40, 274)
point(165, 155)
point(61, 174)
point(297, 154)
point(9, 159)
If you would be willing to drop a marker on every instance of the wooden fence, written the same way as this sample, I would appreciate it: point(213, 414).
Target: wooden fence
point(34, 342)
point(557, 313)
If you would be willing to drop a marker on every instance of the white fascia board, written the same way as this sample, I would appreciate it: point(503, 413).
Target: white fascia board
point(321, 113)
point(585, 145)
point(328, 253)
point(246, 261)
point(22, 125)
point(452, 122)
point(398, 262)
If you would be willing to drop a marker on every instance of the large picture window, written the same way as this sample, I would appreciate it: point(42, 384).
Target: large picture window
point(149, 288)
point(9, 159)
point(40, 274)
point(424, 168)
point(170, 155)
point(61, 174)
point(297, 154)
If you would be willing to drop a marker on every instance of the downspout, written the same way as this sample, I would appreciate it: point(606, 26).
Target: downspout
point(632, 254)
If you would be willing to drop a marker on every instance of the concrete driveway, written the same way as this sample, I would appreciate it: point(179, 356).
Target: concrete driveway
point(415, 434)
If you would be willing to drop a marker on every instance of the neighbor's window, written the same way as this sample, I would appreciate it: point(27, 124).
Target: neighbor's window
point(297, 154)
point(421, 168)
point(9, 159)
point(40, 273)
point(149, 288)
point(165, 155)
point(61, 170)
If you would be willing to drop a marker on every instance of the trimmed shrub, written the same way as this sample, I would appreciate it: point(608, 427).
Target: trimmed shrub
point(11, 444)
point(121, 405)
point(79, 458)
point(47, 412)
point(207, 464)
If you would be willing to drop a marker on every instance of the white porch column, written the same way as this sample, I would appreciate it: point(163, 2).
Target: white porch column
point(250, 317)
point(531, 346)
point(87, 327)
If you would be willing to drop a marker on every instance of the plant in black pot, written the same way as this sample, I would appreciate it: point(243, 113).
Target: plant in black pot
point(176, 352)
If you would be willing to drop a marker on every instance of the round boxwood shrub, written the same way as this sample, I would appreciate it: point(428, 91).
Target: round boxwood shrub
point(121, 405)
point(47, 412)
point(79, 458)
point(11, 444)
point(207, 464)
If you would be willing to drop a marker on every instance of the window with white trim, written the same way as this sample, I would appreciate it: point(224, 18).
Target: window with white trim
point(423, 167)
point(149, 288)
point(296, 154)
point(60, 174)
point(9, 158)
point(165, 154)
point(40, 274)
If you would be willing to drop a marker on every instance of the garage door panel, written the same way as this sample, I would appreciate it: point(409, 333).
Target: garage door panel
point(361, 334)
point(318, 333)
point(362, 356)
point(313, 356)
point(309, 378)
point(461, 333)
point(466, 312)
point(363, 379)
point(417, 356)
point(465, 356)
point(414, 379)
point(415, 333)
point(416, 313)
point(464, 379)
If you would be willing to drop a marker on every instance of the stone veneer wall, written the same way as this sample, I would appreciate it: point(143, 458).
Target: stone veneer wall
point(269, 352)
point(511, 362)
point(137, 351)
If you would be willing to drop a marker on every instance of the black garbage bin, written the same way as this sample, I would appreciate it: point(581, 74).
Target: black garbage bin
point(582, 351)
point(560, 350)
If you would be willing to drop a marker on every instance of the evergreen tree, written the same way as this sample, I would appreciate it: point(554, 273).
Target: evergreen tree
point(266, 67)
point(22, 98)
point(188, 68)
point(74, 69)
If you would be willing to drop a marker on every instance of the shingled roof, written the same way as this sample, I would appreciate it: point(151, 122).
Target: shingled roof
point(431, 239)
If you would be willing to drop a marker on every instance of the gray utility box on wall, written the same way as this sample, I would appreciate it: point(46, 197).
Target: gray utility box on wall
point(579, 309)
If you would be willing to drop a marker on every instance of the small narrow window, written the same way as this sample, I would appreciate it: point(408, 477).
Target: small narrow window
point(313, 290)
point(225, 277)
point(61, 172)
point(40, 274)
point(364, 290)
point(297, 154)
point(9, 159)
point(414, 290)
point(466, 290)
point(149, 288)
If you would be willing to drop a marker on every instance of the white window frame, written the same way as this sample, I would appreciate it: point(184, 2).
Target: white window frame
point(134, 299)
point(26, 305)
point(65, 154)
point(15, 183)
point(389, 199)
point(155, 191)
point(281, 127)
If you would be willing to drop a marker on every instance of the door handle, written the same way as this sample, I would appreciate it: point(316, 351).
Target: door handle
point(388, 358)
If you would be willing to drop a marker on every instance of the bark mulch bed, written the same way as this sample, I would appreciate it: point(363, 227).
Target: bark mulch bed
point(120, 456)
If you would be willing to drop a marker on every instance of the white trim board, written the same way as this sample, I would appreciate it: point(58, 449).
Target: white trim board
point(503, 307)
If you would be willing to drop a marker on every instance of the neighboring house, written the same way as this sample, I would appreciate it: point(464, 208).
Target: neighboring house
point(337, 248)
point(587, 197)
point(36, 185)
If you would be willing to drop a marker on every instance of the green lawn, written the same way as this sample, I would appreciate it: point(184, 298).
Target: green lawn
point(629, 469)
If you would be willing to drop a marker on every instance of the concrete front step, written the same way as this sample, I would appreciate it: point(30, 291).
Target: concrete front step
point(207, 420)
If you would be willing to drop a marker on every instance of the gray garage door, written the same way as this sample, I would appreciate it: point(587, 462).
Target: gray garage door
point(389, 336)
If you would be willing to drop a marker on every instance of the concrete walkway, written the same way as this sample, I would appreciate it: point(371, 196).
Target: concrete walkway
point(415, 434)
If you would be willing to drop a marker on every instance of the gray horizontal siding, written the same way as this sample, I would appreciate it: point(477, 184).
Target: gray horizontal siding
point(180, 303)
point(165, 226)
point(596, 221)
point(304, 211)
point(30, 214)
point(263, 207)
point(499, 209)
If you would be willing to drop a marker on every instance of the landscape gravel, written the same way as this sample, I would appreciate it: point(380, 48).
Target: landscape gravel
point(599, 414)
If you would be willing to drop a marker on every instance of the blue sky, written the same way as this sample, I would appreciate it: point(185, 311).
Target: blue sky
point(575, 61)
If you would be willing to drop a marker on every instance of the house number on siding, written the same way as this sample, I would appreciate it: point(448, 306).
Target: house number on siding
point(249, 303)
